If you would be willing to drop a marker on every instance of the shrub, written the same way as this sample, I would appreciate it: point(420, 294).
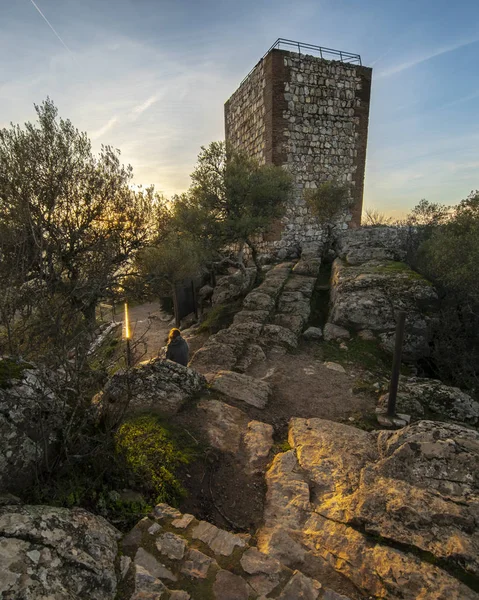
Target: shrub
point(329, 200)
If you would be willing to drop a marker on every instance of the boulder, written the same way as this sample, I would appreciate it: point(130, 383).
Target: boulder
point(308, 266)
point(294, 323)
point(156, 385)
point(294, 303)
point(251, 316)
point(357, 243)
point(369, 296)
point(242, 387)
point(313, 334)
point(225, 425)
point(277, 336)
point(394, 512)
point(258, 301)
point(32, 418)
point(50, 552)
point(305, 285)
point(213, 357)
point(431, 398)
point(258, 441)
point(358, 256)
point(229, 429)
point(231, 287)
point(334, 332)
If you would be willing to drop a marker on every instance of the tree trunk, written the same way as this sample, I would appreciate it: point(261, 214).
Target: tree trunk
point(88, 312)
point(254, 256)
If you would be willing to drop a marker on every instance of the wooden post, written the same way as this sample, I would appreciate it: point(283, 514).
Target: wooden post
point(393, 388)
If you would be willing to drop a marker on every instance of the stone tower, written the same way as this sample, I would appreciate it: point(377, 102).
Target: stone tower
point(309, 114)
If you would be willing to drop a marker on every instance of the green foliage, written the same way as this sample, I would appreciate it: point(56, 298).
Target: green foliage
point(328, 200)
point(69, 226)
point(174, 257)
point(232, 198)
point(451, 253)
point(144, 455)
point(152, 456)
point(280, 447)
point(445, 248)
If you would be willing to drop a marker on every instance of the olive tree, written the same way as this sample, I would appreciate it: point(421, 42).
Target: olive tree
point(70, 223)
point(232, 198)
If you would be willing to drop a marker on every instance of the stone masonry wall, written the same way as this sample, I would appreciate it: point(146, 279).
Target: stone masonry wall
point(313, 120)
point(245, 122)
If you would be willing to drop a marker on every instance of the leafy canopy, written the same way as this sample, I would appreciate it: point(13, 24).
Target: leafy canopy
point(232, 198)
point(69, 221)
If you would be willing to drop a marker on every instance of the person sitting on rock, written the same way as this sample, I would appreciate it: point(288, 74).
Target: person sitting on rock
point(177, 349)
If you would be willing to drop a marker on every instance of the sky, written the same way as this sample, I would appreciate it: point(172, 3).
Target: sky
point(150, 77)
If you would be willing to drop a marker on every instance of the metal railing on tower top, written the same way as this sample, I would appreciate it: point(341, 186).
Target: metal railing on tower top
point(302, 48)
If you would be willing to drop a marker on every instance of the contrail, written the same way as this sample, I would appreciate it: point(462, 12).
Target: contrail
point(51, 26)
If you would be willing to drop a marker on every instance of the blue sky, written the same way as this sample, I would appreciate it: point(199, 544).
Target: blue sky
point(151, 76)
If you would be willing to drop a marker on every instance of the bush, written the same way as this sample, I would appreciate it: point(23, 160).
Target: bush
point(143, 456)
point(329, 200)
point(444, 247)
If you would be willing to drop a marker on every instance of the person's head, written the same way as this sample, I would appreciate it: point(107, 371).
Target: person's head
point(174, 333)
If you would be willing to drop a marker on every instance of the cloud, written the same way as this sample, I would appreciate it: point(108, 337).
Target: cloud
point(423, 58)
point(140, 108)
point(99, 132)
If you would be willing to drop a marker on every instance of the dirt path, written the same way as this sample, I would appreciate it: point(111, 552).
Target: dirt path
point(304, 387)
point(149, 327)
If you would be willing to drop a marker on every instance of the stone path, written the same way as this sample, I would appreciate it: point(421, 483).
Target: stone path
point(173, 555)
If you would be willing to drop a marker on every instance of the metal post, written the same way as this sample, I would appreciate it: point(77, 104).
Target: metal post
point(393, 388)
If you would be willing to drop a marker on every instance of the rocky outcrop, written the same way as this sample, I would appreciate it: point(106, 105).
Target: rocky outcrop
point(233, 286)
point(369, 296)
point(32, 419)
point(242, 387)
point(173, 555)
point(394, 512)
point(357, 246)
point(229, 429)
point(422, 398)
point(157, 385)
point(56, 553)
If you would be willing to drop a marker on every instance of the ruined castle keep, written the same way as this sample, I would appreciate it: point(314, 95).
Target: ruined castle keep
point(309, 114)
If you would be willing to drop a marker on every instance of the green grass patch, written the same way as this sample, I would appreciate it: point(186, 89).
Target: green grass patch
point(364, 353)
point(395, 267)
point(152, 455)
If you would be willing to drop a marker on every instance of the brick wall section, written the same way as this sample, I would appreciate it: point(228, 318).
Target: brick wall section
point(313, 119)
